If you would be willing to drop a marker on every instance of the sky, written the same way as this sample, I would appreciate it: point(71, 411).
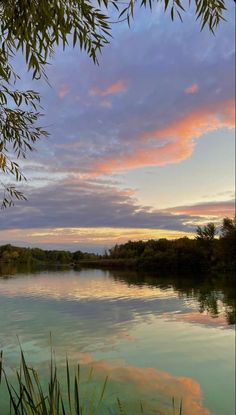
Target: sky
point(141, 146)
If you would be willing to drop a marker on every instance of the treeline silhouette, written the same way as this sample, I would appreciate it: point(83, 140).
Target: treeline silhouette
point(19, 255)
point(206, 250)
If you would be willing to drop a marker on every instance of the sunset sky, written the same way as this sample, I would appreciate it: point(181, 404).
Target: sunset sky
point(141, 146)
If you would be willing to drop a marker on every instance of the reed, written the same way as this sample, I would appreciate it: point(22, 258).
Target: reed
point(29, 396)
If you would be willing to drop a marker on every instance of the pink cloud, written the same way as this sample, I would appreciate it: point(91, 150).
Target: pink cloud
point(115, 88)
point(152, 381)
point(220, 209)
point(63, 91)
point(192, 89)
point(172, 143)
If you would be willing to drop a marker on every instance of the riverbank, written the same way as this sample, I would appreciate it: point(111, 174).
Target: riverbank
point(150, 264)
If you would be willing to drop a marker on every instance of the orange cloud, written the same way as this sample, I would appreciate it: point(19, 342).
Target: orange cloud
point(63, 91)
point(220, 209)
point(115, 88)
point(173, 143)
point(152, 381)
point(192, 89)
point(94, 236)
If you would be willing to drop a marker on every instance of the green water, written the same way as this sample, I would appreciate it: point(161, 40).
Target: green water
point(155, 337)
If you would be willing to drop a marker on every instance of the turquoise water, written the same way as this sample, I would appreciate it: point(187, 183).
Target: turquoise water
point(155, 338)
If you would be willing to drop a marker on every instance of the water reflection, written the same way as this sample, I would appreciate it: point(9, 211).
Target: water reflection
point(215, 294)
point(153, 381)
point(153, 334)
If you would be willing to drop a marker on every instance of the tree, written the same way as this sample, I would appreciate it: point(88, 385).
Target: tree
point(207, 233)
point(228, 241)
point(35, 28)
point(228, 229)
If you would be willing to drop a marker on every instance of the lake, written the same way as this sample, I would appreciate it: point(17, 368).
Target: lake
point(155, 337)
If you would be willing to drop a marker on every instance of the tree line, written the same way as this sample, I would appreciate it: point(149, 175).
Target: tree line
point(20, 255)
point(206, 250)
point(210, 248)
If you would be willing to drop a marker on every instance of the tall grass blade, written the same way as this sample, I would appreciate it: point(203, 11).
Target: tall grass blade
point(1, 363)
point(103, 392)
point(90, 376)
point(12, 400)
point(62, 407)
point(43, 398)
point(120, 406)
point(173, 405)
point(68, 384)
point(76, 397)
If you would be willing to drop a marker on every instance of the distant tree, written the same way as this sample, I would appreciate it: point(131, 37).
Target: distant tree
point(207, 232)
point(228, 242)
point(35, 28)
point(228, 229)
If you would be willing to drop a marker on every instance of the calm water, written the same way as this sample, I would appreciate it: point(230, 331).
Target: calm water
point(154, 338)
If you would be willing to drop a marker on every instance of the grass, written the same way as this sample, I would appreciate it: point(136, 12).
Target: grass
point(28, 395)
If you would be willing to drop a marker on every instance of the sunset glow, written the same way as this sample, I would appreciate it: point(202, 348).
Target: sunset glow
point(141, 146)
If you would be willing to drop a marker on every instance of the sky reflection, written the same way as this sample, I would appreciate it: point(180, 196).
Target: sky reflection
point(151, 340)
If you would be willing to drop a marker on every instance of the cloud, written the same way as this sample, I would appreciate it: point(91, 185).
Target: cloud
point(218, 209)
point(154, 102)
point(171, 143)
point(93, 215)
point(192, 89)
point(86, 239)
point(77, 203)
point(114, 88)
point(151, 381)
point(154, 124)
point(63, 90)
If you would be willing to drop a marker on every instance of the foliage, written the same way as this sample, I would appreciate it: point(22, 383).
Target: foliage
point(204, 251)
point(34, 28)
point(228, 240)
point(207, 233)
point(228, 228)
point(18, 133)
point(20, 255)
